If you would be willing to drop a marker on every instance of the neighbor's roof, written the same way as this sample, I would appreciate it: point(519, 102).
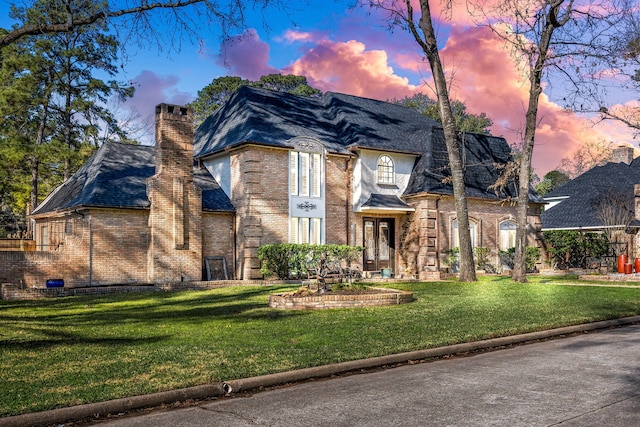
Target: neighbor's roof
point(116, 177)
point(580, 196)
point(340, 122)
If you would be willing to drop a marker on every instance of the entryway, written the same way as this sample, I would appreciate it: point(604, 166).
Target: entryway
point(379, 249)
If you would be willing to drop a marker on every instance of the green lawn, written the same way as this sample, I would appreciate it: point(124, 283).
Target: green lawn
point(68, 351)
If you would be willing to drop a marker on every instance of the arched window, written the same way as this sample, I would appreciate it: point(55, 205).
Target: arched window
point(507, 236)
point(455, 236)
point(385, 170)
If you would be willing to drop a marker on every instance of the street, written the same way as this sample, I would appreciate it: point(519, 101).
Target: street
point(587, 380)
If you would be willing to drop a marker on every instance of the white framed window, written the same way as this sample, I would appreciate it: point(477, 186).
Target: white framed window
point(305, 230)
point(386, 172)
point(44, 237)
point(305, 174)
point(455, 235)
point(507, 235)
point(293, 173)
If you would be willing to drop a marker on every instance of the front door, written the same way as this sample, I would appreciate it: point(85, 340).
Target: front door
point(379, 248)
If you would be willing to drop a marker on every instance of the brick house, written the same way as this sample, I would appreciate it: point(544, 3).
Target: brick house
point(605, 198)
point(269, 167)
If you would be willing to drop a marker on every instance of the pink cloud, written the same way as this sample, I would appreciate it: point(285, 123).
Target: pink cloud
point(484, 75)
point(246, 56)
point(152, 89)
point(348, 67)
point(292, 36)
point(487, 79)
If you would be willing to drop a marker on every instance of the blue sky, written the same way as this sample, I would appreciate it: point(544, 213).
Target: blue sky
point(352, 51)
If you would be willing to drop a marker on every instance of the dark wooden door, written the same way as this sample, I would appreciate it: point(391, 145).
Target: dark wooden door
point(379, 248)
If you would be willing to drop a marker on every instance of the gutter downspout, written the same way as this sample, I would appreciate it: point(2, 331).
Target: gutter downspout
point(90, 253)
point(235, 245)
point(350, 236)
point(438, 234)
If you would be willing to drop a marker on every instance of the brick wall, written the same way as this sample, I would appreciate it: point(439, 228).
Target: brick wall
point(175, 218)
point(99, 246)
point(430, 235)
point(32, 269)
point(120, 244)
point(259, 182)
point(339, 211)
point(218, 239)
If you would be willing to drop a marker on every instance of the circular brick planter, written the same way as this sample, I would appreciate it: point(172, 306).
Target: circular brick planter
point(330, 300)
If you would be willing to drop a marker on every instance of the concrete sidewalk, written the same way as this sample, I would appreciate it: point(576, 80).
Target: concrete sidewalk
point(404, 389)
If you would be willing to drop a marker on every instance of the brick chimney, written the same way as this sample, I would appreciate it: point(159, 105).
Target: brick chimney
point(175, 217)
point(622, 155)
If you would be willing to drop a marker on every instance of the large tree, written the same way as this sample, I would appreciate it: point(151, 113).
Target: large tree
point(52, 105)
point(161, 22)
point(589, 155)
point(401, 13)
point(565, 37)
point(551, 180)
point(465, 121)
point(625, 53)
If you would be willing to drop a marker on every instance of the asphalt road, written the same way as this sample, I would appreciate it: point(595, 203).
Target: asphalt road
point(587, 380)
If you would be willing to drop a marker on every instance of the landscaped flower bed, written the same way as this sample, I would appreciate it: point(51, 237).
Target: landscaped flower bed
point(370, 297)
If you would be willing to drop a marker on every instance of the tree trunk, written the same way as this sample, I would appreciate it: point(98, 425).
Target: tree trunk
point(35, 162)
point(430, 48)
point(535, 89)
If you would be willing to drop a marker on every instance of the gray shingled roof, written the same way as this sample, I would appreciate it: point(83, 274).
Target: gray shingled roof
point(581, 195)
point(344, 123)
point(385, 201)
point(115, 177)
point(482, 156)
point(340, 122)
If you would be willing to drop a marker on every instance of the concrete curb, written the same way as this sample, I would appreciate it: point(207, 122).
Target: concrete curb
point(118, 406)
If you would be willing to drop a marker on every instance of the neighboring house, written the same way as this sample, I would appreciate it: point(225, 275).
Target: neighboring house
point(605, 198)
point(271, 167)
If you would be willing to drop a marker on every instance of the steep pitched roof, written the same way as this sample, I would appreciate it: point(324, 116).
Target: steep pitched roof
point(579, 197)
point(115, 177)
point(343, 123)
point(340, 122)
point(482, 157)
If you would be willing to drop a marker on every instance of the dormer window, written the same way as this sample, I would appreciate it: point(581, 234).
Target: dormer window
point(386, 173)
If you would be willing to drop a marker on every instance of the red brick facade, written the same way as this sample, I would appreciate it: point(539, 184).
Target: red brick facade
point(166, 243)
point(170, 241)
point(175, 218)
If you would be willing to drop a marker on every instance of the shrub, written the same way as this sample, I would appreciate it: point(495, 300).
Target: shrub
point(453, 260)
point(532, 255)
point(481, 255)
point(291, 260)
point(573, 248)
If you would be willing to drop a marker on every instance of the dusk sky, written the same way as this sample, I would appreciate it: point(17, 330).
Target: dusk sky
point(353, 52)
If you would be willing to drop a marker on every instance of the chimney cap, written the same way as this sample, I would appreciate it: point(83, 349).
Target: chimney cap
point(179, 110)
